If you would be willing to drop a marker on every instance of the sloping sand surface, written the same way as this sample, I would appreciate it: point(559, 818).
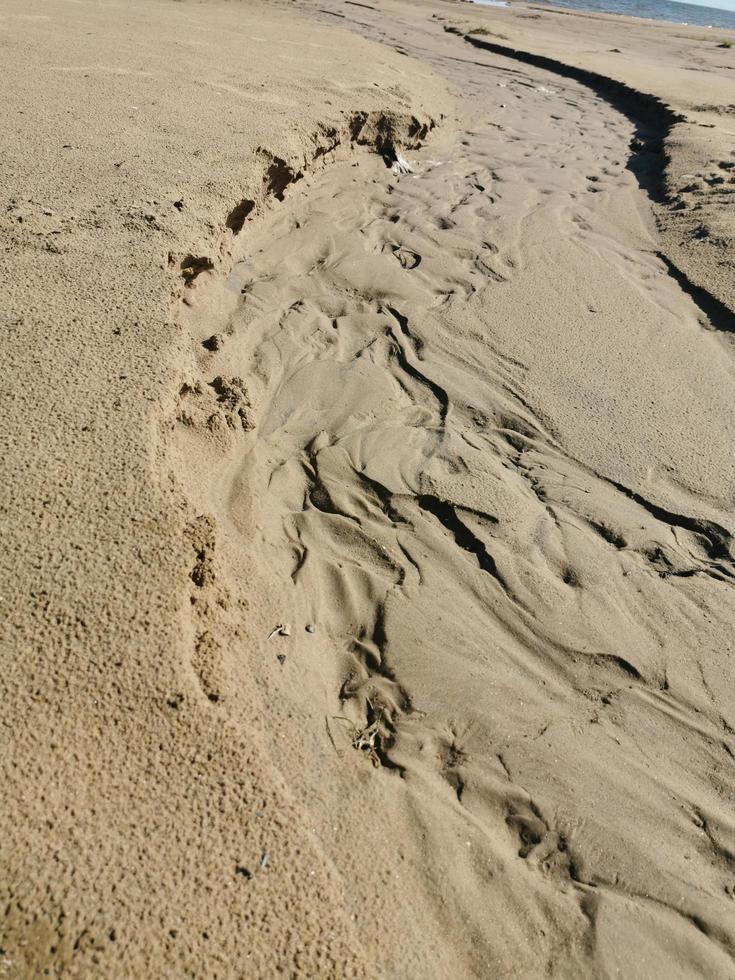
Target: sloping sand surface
point(373, 547)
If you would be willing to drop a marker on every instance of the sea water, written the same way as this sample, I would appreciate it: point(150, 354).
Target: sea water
point(678, 13)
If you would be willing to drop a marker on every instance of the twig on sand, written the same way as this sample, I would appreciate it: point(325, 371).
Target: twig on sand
point(281, 629)
point(365, 738)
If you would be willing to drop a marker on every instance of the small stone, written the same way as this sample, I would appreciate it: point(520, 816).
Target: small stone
point(281, 658)
point(264, 860)
point(310, 628)
point(213, 343)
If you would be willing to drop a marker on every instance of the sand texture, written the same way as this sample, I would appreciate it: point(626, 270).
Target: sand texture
point(368, 579)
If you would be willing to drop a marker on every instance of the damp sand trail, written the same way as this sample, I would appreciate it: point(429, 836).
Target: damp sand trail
point(464, 426)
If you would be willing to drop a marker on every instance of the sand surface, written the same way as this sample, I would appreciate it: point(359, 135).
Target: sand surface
point(368, 578)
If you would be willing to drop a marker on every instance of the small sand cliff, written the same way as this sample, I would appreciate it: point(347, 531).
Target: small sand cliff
point(132, 136)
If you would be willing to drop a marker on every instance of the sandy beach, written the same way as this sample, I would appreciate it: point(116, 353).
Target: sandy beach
point(369, 492)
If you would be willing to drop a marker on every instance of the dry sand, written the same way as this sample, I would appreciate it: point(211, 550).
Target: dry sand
point(368, 576)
